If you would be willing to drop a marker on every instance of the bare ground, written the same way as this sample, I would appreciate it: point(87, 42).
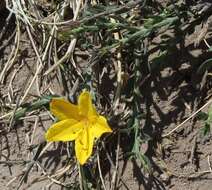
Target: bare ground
point(180, 161)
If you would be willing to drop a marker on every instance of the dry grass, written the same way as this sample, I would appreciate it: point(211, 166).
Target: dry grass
point(103, 46)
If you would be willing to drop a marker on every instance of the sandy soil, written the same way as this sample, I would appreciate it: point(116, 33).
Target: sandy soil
point(180, 161)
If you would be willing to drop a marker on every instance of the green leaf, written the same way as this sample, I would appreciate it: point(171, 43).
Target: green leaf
point(43, 101)
point(209, 120)
point(206, 129)
point(202, 116)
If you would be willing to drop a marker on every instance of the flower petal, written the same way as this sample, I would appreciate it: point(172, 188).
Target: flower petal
point(63, 109)
point(65, 130)
point(86, 108)
point(84, 145)
point(101, 126)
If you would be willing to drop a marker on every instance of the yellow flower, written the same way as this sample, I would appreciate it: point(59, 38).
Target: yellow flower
point(77, 122)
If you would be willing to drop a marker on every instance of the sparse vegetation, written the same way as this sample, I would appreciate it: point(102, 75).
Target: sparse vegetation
point(147, 65)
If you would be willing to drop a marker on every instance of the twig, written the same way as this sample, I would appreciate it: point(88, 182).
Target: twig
point(100, 172)
point(13, 54)
point(115, 173)
point(48, 176)
point(192, 115)
point(209, 163)
point(125, 7)
point(112, 164)
point(192, 175)
point(80, 176)
point(71, 47)
point(9, 162)
point(40, 66)
point(73, 24)
point(17, 105)
point(31, 164)
point(119, 72)
point(192, 158)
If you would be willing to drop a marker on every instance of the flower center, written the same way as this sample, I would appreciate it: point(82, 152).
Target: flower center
point(86, 122)
point(89, 121)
